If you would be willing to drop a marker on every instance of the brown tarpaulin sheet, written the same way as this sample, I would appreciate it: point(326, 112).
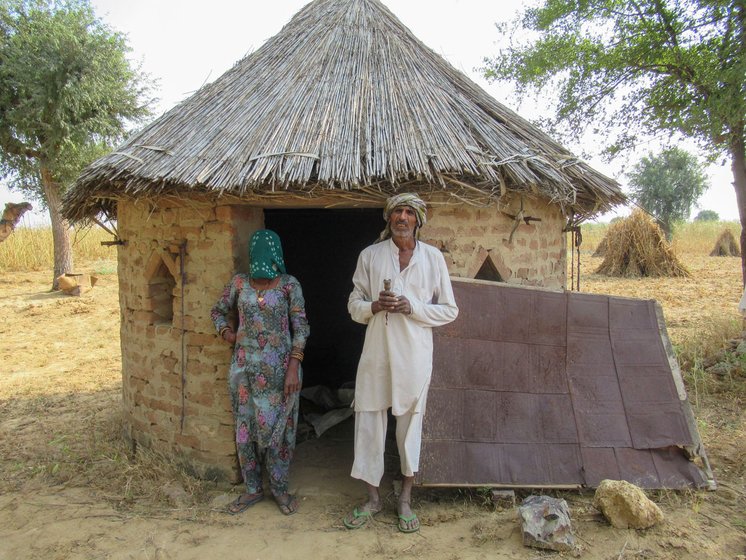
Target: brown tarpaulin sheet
point(533, 387)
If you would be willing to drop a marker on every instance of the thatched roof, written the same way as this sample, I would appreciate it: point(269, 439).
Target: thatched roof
point(344, 97)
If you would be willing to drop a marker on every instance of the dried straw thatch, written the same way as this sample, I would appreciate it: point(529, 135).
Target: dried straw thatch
point(345, 97)
point(602, 247)
point(726, 246)
point(636, 246)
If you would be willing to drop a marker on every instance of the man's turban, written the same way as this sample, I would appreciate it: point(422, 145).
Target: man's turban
point(404, 199)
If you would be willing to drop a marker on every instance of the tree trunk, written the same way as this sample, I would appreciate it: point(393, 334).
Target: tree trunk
point(738, 166)
point(63, 255)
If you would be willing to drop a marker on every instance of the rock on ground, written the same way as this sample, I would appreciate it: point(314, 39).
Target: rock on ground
point(546, 523)
point(625, 505)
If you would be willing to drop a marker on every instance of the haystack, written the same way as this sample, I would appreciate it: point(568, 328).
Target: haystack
point(636, 246)
point(602, 247)
point(726, 246)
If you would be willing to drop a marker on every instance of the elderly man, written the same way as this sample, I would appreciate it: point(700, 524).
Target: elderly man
point(401, 291)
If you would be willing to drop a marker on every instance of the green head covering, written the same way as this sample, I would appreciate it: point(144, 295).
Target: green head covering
point(265, 255)
point(404, 199)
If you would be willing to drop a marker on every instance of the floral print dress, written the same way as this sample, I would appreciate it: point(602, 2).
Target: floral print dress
point(270, 323)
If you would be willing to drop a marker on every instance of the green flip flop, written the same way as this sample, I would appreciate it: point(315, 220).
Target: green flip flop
point(405, 520)
point(358, 519)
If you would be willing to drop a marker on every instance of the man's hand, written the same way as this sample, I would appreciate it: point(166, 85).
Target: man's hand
point(229, 336)
point(391, 303)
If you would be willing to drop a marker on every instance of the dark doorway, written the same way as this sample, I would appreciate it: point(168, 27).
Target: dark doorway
point(321, 249)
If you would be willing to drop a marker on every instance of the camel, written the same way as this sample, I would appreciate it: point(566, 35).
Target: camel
point(11, 216)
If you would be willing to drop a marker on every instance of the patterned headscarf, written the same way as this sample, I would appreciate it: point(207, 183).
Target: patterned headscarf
point(404, 199)
point(265, 255)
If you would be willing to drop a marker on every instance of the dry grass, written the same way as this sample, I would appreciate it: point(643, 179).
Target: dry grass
point(60, 408)
point(32, 248)
point(698, 238)
point(593, 234)
point(690, 238)
point(701, 311)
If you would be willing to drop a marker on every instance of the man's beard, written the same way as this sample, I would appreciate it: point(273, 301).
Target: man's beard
point(403, 233)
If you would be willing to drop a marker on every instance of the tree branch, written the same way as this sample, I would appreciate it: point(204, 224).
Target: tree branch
point(661, 9)
point(17, 148)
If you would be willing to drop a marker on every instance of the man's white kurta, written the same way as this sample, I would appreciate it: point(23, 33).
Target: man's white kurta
point(397, 360)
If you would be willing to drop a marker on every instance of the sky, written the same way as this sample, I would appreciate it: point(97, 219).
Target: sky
point(185, 43)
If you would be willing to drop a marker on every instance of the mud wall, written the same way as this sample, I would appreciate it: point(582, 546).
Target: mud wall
point(178, 256)
point(174, 366)
point(527, 254)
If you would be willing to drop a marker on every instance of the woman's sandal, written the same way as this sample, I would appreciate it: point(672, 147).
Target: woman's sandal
point(288, 506)
point(242, 503)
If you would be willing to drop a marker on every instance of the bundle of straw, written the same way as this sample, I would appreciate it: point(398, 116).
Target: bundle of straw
point(603, 245)
point(726, 246)
point(636, 246)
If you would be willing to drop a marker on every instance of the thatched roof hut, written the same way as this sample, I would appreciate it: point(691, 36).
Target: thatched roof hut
point(307, 136)
point(345, 98)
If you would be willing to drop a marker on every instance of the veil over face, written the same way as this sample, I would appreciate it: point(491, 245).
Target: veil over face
point(265, 255)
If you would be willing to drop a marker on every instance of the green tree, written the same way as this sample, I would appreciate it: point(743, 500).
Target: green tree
point(707, 216)
point(667, 186)
point(67, 93)
point(639, 67)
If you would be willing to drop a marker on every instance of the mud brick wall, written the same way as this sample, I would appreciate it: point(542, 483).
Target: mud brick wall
point(536, 255)
point(174, 387)
point(191, 416)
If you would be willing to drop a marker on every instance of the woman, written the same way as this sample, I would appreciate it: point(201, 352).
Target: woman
point(265, 374)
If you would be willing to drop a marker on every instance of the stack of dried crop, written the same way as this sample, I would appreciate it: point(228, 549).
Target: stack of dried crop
point(636, 246)
point(726, 246)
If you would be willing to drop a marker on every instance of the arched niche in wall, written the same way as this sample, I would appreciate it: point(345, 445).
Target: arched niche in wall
point(161, 273)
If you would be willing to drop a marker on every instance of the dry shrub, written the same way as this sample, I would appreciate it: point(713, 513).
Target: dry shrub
point(726, 246)
point(636, 246)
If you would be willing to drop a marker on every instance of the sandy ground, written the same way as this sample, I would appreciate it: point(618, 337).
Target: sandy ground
point(69, 487)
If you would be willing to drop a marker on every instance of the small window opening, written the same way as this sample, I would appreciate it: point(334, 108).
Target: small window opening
point(161, 286)
point(488, 271)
